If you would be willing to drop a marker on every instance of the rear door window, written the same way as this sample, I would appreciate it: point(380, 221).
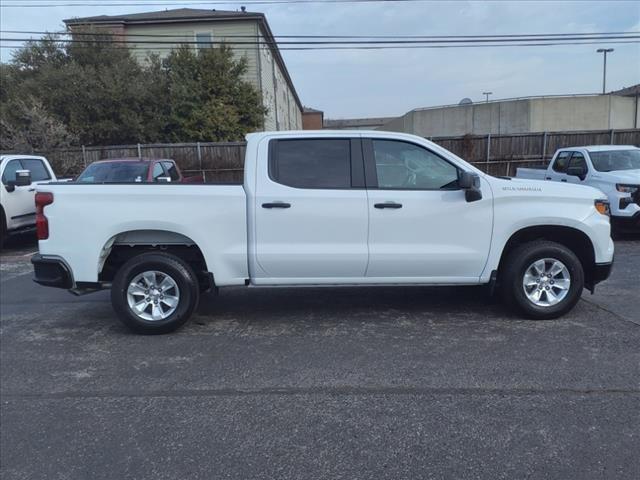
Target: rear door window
point(561, 162)
point(311, 163)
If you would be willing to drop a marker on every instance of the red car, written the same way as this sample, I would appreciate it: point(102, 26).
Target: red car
point(135, 170)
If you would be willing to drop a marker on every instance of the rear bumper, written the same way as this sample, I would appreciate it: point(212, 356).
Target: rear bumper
point(51, 271)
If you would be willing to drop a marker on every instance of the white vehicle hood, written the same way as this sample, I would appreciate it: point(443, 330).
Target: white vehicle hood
point(631, 177)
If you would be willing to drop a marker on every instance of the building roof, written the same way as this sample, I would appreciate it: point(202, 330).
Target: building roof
point(631, 91)
point(174, 15)
point(192, 15)
point(356, 122)
point(311, 110)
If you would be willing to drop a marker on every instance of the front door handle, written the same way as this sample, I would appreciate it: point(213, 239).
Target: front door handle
point(388, 205)
point(276, 205)
point(547, 178)
point(563, 179)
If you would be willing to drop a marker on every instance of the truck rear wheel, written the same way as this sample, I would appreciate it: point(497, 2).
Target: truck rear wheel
point(542, 279)
point(155, 293)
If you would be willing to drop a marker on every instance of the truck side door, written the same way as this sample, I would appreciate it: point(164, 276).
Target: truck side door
point(557, 170)
point(19, 205)
point(311, 216)
point(421, 228)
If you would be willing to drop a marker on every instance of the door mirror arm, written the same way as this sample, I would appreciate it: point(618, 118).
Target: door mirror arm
point(470, 183)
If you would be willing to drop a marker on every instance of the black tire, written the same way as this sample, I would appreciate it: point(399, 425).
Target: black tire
point(169, 265)
point(3, 229)
point(516, 265)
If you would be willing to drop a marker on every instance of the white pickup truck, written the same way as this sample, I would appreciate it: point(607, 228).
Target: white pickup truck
point(20, 174)
point(324, 208)
point(612, 169)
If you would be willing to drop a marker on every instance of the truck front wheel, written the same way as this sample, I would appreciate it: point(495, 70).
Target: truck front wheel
point(542, 279)
point(155, 293)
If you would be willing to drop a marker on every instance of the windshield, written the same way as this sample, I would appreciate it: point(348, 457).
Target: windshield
point(115, 172)
point(616, 160)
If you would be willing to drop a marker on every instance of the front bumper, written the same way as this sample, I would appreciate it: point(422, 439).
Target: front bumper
point(631, 224)
point(601, 272)
point(51, 272)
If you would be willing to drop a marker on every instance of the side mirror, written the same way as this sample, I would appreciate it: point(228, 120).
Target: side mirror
point(163, 180)
point(470, 183)
point(23, 178)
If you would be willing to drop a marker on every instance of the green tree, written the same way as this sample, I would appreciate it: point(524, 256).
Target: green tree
point(101, 95)
point(208, 96)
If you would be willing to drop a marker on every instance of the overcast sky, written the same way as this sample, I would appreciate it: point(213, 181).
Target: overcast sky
point(391, 82)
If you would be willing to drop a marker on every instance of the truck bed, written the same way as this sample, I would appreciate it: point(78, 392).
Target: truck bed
point(536, 172)
point(96, 216)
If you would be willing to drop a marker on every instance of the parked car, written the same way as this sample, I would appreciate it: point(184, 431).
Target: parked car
point(325, 208)
point(20, 174)
point(134, 170)
point(612, 169)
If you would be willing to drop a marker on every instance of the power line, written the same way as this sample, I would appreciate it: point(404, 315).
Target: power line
point(425, 37)
point(366, 47)
point(325, 42)
point(214, 2)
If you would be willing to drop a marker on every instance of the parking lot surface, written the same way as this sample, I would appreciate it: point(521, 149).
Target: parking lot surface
point(321, 383)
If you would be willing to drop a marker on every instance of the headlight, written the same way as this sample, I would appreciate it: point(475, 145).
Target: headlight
point(627, 188)
point(602, 206)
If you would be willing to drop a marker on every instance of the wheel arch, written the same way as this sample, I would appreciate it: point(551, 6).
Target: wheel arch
point(121, 247)
point(574, 239)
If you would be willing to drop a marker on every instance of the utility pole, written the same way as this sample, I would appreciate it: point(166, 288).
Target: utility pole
point(604, 69)
point(486, 94)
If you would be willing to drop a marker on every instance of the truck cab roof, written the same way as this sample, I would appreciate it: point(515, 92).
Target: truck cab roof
point(599, 148)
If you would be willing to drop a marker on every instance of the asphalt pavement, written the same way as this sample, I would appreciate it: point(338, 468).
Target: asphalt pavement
point(321, 383)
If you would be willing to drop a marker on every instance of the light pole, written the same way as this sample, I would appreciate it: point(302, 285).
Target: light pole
point(486, 94)
point(604, 70)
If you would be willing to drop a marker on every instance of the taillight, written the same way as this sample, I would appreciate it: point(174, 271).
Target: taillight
point(42, 224)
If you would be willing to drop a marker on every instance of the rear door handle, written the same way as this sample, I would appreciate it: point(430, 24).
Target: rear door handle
point(276, 205)
point(547, 178)
point(388, 205)
point(563, 179)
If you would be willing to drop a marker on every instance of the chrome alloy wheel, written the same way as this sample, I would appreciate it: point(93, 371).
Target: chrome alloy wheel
point(546, 282)
point(153, 295)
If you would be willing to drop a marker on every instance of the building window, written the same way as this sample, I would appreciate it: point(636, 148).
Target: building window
point(203, 40)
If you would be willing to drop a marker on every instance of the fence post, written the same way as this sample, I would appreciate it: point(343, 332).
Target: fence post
point(488, 147)
point(544, 146)
point(139, 151)
point(199, 155)
point(612, 135)
point(84, 156)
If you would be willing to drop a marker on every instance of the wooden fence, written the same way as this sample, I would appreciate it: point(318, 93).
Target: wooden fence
point(224, 162)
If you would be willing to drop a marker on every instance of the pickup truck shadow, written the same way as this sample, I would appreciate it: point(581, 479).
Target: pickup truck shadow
point(26, 241)
point(343, 304)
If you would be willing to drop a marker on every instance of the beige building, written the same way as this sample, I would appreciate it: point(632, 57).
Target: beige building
point(613, 111)
point(207, 28)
